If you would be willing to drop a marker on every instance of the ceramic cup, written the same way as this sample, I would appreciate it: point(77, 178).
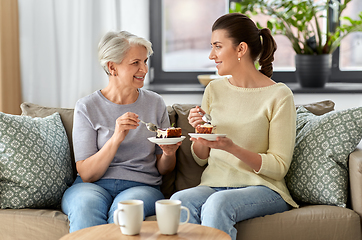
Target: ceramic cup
point(168, 215)
point(129, 216)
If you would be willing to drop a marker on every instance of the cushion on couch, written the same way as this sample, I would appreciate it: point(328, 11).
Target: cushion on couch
point(319, 108)
point(319, 172)
point(188, 172)
point(305, 223)
point(66, 114)
point(168, 180)
point(33, 224)
point(35, 163)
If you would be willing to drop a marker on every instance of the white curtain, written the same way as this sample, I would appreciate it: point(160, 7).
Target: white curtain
point(58, 45)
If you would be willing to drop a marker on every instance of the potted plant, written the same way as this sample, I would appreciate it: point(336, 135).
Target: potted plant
point(300, 21)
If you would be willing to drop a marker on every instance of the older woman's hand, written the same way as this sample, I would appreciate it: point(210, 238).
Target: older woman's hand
point(170, 149)
point(124, 123)
point(166, 161)
point(194, 116)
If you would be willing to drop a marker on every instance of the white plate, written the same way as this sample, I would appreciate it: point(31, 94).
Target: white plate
point(210, 137)
point(166, 141)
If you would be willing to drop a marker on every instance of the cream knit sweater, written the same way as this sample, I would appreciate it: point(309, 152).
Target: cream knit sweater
point(261, 120)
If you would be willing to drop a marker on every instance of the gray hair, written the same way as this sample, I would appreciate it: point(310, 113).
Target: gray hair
point(114, 46)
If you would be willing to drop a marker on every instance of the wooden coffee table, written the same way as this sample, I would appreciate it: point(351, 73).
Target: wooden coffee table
point(149, 231)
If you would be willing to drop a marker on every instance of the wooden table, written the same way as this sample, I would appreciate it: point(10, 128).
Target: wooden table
point(149, 231)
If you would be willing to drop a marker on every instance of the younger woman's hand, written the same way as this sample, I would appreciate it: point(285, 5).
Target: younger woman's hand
point(222, 143)
point(195, 118)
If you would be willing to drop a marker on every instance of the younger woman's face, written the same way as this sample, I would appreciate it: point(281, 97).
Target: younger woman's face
point(223, 52)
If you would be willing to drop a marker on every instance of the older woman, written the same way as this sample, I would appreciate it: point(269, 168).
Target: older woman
point(114, 159)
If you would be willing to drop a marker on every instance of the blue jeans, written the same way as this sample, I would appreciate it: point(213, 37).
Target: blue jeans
point(91, 204)
point(222, 208)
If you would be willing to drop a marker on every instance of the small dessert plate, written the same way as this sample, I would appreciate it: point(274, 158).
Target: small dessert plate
point(166, 141)
point(210, 137)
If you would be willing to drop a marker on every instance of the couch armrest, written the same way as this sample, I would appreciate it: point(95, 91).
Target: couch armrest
point(355, 175)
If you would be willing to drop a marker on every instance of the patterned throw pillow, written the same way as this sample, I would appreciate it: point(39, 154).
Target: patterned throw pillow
point(319, 172)
point(35, 164)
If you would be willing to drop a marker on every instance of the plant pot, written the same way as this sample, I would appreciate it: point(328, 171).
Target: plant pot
point(313, 71)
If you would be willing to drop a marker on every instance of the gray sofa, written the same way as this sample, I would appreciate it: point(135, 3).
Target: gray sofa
point(319, 222)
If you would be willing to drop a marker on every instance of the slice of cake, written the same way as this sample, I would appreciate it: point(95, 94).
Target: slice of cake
point(204, 129)
point(170, 132)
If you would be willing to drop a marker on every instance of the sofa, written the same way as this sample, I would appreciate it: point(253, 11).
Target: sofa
point(309, 221)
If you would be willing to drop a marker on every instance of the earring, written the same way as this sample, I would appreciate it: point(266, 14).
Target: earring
point(239, 59)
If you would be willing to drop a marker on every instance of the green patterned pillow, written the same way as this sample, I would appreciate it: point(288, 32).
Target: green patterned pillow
point(35, 165)
point(319, 172)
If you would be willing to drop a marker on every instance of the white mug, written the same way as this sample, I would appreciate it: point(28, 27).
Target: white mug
point(168, 215)
point(129, 216)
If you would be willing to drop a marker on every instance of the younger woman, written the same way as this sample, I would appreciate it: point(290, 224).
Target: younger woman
point(245, 174)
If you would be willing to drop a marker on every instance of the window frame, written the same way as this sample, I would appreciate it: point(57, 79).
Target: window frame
point(158, 76)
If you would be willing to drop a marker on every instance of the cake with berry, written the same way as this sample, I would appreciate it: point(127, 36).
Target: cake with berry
point(171, 132)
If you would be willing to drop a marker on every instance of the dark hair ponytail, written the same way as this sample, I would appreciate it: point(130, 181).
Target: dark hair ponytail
point(261, 43)
point(269, 47)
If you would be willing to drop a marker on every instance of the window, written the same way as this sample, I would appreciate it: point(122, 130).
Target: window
point(351, 46)
point(186, 35)
point(347, 60)
point(180, 34)
point(181, 31)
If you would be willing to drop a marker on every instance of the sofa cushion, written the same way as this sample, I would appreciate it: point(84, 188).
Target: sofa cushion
point(317, 222)
point(319, 108)
point(66, 114)
point(188, 172)
point(319, 173)
point(35, 164)
point(168, 180)
point(39, 224)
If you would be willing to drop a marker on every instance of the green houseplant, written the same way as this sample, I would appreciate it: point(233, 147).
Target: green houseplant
point(300, 21)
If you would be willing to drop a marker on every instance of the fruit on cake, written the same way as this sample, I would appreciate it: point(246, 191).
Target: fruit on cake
point(204, 129)
point(171, 132)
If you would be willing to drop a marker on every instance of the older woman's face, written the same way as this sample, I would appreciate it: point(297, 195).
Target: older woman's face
point(133, 69)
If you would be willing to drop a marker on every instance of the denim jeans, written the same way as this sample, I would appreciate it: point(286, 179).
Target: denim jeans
point(91, 204)
point(222, 208)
